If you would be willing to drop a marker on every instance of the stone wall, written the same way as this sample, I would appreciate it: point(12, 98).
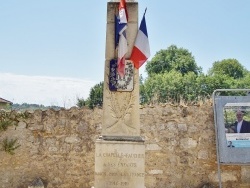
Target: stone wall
point(59, 146)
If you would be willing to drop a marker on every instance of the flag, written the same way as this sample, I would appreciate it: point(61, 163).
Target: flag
point(141, 51)
point(122, 44)
point(123, 14)
point(122, 50)
point(119, 28)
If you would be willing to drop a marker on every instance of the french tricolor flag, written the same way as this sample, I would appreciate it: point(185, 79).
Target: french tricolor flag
point(141, 50)
point(122, 44)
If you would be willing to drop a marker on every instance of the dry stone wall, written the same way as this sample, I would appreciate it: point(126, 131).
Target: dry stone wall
point(58, 147)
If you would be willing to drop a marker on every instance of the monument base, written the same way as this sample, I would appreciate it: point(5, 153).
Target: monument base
point(119, 164)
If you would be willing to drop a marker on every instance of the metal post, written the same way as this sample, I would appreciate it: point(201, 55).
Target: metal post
point(217, 147)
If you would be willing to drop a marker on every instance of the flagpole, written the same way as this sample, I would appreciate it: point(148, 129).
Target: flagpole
point(116, 49)
point(145, 11)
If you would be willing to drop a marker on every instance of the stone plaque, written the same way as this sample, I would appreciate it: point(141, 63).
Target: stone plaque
point(119, 164)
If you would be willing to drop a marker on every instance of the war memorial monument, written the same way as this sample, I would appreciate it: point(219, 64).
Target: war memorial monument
point(120, 150)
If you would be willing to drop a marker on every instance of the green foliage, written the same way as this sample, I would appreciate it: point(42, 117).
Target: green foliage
point(32, 107)
point(10, 145)
point(174, 76)
point(4, 124)
point(81, 102)
point(11, 118)
point(95, 98)
point(173, 58)
point(243, 82)
point(142, 90)
point(162, 88)
point(229, 67)
point(174, 87)
point(5, 120)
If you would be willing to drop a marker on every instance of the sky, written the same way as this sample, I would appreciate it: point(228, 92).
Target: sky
point(53, 52)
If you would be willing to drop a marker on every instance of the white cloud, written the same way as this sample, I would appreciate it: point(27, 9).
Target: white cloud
point(48, 91)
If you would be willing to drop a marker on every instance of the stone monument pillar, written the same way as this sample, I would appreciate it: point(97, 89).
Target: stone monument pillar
point(120, 150)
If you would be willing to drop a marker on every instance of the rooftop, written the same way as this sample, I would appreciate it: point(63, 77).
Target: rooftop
point(4, 101)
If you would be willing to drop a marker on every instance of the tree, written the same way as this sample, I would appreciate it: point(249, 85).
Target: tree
point(229, 67)
point(207, 84)
point(173, 58)
point(244, 83)
point(80, 102)
point(188, 87)
point(162, 87)
point(95, 96)
point(142, 90)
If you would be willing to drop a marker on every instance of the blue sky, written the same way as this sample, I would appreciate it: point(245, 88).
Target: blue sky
point(63, 42)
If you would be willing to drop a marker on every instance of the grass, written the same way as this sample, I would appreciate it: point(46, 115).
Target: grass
point(10, 145)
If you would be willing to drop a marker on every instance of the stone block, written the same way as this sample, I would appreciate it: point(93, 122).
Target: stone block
point(37, 183)
point(153, 147)
point(225, 177)
point(245, 175)
point(119, 164)
point(154, 172)
point(72, 139)
point(21, 125)
point(188, 143)
point(203, 154)
point(182, 127)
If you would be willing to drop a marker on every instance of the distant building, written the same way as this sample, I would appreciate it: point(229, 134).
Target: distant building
point(5, 104)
